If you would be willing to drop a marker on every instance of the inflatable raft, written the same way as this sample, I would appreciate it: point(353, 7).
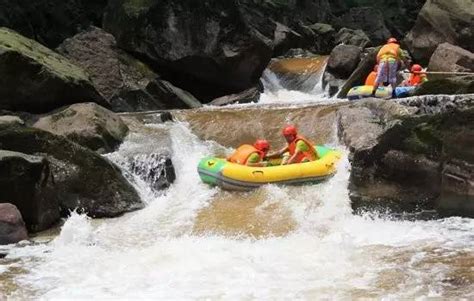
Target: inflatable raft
point(231, 176)
point(360, 92)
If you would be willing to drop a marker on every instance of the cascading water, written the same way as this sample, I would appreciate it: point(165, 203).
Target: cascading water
point(198, 242)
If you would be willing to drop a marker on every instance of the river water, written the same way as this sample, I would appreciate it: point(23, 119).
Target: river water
point(274, 243)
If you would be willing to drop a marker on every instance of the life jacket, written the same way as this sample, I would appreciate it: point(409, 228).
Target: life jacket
point(370, 81)
point(242, 154)
point(415, 79)
point(389, 51)
point(310, 154)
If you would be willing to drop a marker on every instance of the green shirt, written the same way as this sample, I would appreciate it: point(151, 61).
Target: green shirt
point(254, 158)
point(302, 146)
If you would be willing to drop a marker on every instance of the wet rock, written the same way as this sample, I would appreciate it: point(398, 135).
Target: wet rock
point(12, 227)
point(50, 21)
point(441, 21)
point(352, 37)
point(172, 97)
point(155, 169)
point(451, 58)
point(322, 37)
point(87, 124)
point(457, 194)
point(343, 60)
point(27, 182)
point(8, 120)
point(83, 179)
point(447, 85)
point(435, 104)
point(368, 19)
point(207, 48)
point(247, 96)
point(36, 79)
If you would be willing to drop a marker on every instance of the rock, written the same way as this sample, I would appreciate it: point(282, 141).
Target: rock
point(457, 194)
point(36, 79)
point(441, 21)
point(370, 20)
point(172, 97)
point(247, 96)
point(451, 58)
point(207, 48)
point(87, 124)
point(27, 182)
point(7, 121)
point(155, 169)
point(352, 37)
point(120, 78)
point(436, 104)
point(448, 85)
point(359, 75)
point(322, 37)
point(12, 227)
point(83, 179)
point(49, 21)
point(285, 38)
point(343, 60)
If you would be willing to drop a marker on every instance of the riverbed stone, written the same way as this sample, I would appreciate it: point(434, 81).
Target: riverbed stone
point(87, 124)
point(343, 60)
point(450, 58)
point(12, 226)
point(35, 79)
point(247, 96)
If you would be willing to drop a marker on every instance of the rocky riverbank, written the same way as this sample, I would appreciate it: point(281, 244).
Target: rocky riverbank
point(66, 72)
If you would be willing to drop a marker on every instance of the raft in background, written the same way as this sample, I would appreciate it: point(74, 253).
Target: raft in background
point(231, 176)
point(360, 92)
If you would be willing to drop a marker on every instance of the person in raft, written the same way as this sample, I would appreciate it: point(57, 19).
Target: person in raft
point(298, 150)
point(370, 80)
point(251, 155)
point(389, 58)
point(417, 77)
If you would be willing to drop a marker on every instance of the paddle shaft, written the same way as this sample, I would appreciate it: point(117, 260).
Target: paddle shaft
point(442, 72)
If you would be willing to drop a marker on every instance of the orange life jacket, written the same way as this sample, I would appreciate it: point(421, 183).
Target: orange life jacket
point(310, 154)
point(389, 51)
point(242, 154)
point(370, 81)
point(415, 79)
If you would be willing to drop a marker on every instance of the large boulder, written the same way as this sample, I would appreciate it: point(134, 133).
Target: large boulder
point(27, 182)
point(451, 58)
point(12, 227)
point(447, 85)
point(247, 96)
point(87, 124)
point(83, 179)
point(343, 60)
point(441, 21)
point(36, 79)
point(49, 21)
point(355, 37)
point(207, 48)
point(172, 97)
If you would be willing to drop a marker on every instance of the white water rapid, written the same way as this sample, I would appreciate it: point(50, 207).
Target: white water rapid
point(194, 242)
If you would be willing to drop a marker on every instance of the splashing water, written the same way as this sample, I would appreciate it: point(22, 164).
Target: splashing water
point(325, 252)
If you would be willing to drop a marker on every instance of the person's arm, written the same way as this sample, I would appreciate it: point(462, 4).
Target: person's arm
point(255, 161)
point(277, 154)
point(301, 147)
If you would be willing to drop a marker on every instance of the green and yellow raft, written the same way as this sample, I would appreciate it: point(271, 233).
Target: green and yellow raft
point(231, 176)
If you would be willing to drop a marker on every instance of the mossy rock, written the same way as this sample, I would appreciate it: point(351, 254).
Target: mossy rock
point(448, 85)
point(34, 78)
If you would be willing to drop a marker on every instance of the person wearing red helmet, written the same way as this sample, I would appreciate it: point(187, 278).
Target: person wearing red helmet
point(389, 59)
point(298, 150)
point(417, 77)
point(251, 155)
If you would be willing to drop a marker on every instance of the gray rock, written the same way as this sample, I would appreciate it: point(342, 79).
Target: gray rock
point(36, 79)
point(441, 21)
point(83, 179)
point(171, 96)
point(155, 169)
point(343, 60)
point(8, 120)
point(12, 227)
point(352, 37)
point(27, 182)
point(247, 96)
point(451, 58)
point(87, 124)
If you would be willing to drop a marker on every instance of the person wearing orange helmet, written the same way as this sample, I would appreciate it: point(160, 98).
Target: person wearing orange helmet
point(298, 150)
point(370, 80)
point(251, 155)
point(417, 77)
point(389, 58)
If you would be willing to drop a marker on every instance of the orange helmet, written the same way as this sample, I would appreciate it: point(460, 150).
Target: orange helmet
point(416, 68)
point(290, 130)
point(392, 40)
point(262, 145)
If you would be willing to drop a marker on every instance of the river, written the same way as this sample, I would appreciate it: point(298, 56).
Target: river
point(198, 242)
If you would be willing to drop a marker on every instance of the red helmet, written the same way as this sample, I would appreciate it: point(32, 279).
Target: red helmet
point(392, 40)
point(290, 130)
point(262, 145)
point(416, 68)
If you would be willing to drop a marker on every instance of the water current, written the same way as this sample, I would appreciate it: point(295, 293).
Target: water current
point(194, 242)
